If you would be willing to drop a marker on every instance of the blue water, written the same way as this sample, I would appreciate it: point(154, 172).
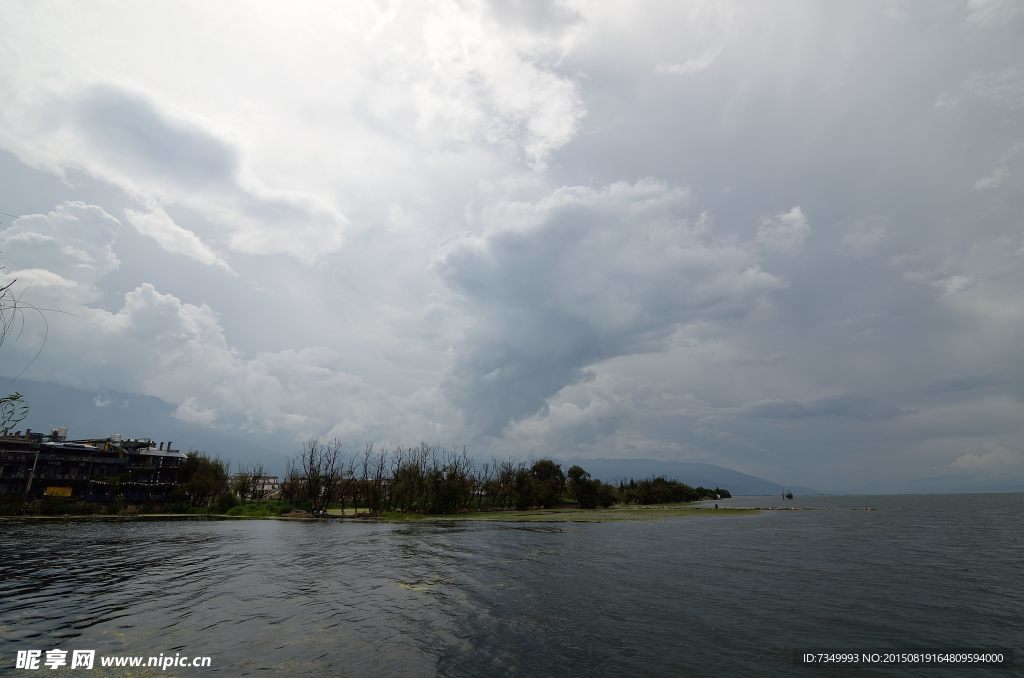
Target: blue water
point(698, 596)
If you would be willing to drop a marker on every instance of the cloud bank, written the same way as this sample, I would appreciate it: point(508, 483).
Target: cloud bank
point(785, 238)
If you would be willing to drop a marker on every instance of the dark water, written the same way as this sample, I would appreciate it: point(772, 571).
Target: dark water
point(701, 596)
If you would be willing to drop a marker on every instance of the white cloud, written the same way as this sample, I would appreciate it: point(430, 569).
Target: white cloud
point(896, 11)
point(476, 81)
point(155, 223)
point(946, 100)
point(343, 144)
point(998, 175)
point(1004, 87)
point(124, 137)
point(280, 146)
point(74, 241)
point(189, 410)
point(784, 232)
point(695, 64)
point(1002, 170)
point(995, 459)
point(992, 12)
point(155, 344)
point(942, 280)
point(864, 236)
point(29, 278)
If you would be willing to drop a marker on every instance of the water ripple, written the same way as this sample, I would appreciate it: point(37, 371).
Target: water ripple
point(695, 596)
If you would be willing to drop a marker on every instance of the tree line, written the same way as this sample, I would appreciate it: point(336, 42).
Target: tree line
point(411, 480)
point(432, 479)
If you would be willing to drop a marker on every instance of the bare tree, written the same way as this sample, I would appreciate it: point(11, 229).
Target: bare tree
point(365, 464)
point(249, 484)
point(483, 485)
point(12, 406)
point(258, 483)
point(293, 489)
point(12, 410)
point(374, 477)
point(9, 309)
point(380, 480)
point(346, 484)
point(322, 471)
point(241, 485)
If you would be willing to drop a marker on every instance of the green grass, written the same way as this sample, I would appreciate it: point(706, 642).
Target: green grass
point(260, 509)
point(399, 517)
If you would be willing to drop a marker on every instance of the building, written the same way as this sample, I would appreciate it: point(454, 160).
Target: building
point(257, 487)
point(33, 466)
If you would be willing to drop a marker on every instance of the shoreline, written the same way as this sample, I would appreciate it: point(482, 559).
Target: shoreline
point(576, 515)
point(554, 515)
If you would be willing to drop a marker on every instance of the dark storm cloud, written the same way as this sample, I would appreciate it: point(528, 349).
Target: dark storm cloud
point(1011, 379)
point(536, 15)
point(580, 277)
point(161, 158)
point(134, 133)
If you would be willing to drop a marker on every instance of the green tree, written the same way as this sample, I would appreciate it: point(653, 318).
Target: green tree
point(583, 489)
point(205, 481)
point(524, 489)
point(550, 482)
point(606, 494)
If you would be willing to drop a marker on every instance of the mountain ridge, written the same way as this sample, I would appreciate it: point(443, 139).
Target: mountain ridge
point(614, 470)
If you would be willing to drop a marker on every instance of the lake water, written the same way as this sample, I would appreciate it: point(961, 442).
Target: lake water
point(701, 596)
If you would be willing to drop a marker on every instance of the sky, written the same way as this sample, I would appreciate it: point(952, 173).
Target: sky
point(784, 238)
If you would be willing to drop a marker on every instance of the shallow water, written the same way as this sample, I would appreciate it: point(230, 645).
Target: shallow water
point(684, 596)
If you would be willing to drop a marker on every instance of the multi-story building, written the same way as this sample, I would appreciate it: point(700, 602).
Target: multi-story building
point(33, 465)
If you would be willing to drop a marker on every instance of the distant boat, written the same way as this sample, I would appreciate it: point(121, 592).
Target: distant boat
point(788, 495)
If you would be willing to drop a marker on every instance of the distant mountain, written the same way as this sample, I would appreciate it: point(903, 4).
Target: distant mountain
point(97, 414)
point(691, 473)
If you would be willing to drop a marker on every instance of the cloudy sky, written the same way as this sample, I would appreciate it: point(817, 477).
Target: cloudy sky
point(785, 237)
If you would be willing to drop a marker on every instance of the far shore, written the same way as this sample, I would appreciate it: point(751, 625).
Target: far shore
point(551, 515)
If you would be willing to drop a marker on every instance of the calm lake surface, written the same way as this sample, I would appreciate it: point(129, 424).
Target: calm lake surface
point(701, 596)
